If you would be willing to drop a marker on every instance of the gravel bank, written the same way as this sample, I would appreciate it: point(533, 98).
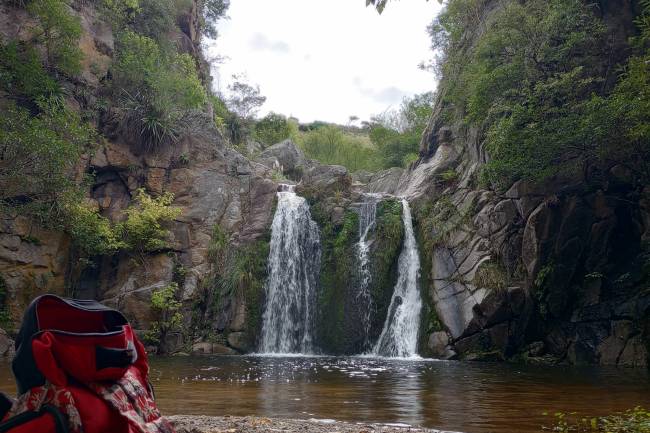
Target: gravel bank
point(232, 424)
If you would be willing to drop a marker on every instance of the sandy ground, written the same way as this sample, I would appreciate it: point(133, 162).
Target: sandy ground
point(231, 424)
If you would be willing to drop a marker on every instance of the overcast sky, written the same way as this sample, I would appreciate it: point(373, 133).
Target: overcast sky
point(327, 59)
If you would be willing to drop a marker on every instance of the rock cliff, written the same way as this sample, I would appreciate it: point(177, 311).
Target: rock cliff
point(549, 273)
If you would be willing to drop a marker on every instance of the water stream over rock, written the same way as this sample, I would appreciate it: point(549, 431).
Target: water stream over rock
point(367, 217)
point(399, 336)
point(293, 269)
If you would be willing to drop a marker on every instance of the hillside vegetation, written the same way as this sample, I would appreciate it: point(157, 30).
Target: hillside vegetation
point(547, 85)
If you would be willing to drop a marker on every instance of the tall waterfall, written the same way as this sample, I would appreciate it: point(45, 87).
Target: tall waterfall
point(367, 216)
point(293, 269)
point(400, 333)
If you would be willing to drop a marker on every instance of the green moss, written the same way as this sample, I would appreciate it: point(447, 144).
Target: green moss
point(491, 275)
point(237, 273)
point(430, 321)
point(338, 262)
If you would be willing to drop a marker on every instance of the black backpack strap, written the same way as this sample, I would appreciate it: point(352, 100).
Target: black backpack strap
point(60, 420)
point(5, 405)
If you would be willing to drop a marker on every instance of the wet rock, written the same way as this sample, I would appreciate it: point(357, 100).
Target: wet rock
point(286, 153)
point(635, 353)
point(612, 347)
point(326, 180)
point(239, 341)
point(439, 345)
point(385, 181)
point(207, 348)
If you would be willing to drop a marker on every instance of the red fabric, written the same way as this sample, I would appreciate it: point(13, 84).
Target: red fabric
point(111, 400)
point(53, 313)
point(58, 355)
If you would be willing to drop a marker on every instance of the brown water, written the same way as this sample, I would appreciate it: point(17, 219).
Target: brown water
point(467, 397)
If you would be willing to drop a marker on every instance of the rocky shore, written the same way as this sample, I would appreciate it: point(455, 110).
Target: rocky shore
point(231, 424)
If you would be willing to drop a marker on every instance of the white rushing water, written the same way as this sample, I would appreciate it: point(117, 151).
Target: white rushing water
point(399, 336)
point(367, 217)
point(293, 269)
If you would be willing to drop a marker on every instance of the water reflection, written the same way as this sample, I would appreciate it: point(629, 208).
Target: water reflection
point(470, 397)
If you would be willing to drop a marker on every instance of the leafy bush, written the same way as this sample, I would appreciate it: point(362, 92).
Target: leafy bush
point(142, 231)
point(635, 420)
point(167, 312)
point(38, 154)
point(91, 233)
point(120, 13)
point(533, 77)
point(59, 32)
point(156, 91)
point(397, 134)
point(273, 128)
point(330, 145)
point(22, 75)
point(155, 19)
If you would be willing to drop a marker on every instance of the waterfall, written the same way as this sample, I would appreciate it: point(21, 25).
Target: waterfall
point(400, 333)
point(293, 269)
point(367, 215)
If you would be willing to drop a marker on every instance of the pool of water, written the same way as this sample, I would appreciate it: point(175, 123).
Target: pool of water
point(460, 396)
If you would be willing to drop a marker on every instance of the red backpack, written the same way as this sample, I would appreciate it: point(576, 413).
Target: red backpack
point(79, 369)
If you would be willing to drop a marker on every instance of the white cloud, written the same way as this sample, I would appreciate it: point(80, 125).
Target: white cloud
point(259, 42)
point(327, 59)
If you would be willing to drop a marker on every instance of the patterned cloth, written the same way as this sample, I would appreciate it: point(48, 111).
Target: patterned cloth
point(133, 401)
point(57, 396)
point(128, 396)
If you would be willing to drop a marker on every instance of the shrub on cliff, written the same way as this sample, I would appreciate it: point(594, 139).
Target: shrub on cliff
point(155, 91)
point(533, 78)
point(37, 156)
point(141, 232)
point(167, 315)
point(273, 128)
point(396, 134)
point(58, 31)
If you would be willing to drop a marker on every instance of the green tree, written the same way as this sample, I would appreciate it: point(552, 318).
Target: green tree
point(59, 32)
point(245, 99)
point(22, 75)
point(166, 309)
point(397, 134)
point(213, 11)
point(272, 128)
point(38, 154)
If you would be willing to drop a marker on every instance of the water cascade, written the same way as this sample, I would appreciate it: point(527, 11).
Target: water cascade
point(400, 333)
point(367, 216)
point(293, 269)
